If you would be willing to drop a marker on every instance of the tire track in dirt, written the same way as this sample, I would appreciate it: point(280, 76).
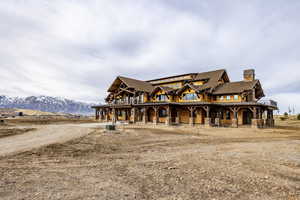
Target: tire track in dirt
point(44, 135)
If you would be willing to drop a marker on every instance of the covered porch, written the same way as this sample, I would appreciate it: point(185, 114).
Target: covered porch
point(254, 115)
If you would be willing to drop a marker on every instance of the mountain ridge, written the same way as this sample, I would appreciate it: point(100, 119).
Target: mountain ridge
point(47, 104)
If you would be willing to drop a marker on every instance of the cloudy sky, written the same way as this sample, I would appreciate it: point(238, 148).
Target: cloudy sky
point(75, 49)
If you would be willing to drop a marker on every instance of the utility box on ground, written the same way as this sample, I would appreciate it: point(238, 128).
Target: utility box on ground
point(110, 127)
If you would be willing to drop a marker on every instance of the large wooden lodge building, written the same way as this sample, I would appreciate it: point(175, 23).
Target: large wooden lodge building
point(206, 99)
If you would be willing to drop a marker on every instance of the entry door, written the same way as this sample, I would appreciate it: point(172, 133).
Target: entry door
point(173, 115)
point(247, 117)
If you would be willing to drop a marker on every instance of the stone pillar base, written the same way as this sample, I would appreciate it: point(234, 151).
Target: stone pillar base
point(177, 120)
point(168, 121)
point(255, 123)
point(207, 122)
point(191, 121)
point(234, 123)
point(217, 122)
point(155, 121)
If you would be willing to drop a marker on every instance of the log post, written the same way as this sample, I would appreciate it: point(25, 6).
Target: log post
point(106, 114)
point(235, 111)
point(207, 120)
point(114, 120)
point(217, 119)
point(254, 122)
point(144, 110)
point(101, 114)
point(168, 118)
point(155, 118)
point(133, 113)
point(97, 114)
point(177, 120)
point(270, 120)
point(192, 120)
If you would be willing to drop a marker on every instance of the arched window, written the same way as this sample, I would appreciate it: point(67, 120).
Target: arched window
point(161, 97)
point(190, 97)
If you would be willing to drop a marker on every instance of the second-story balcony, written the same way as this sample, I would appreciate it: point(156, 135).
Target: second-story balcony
point(268, 102)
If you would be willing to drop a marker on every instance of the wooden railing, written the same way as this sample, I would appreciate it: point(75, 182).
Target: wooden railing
point(268, 102)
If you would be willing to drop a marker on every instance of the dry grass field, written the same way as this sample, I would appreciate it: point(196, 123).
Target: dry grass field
point(47, 120)
point(6, 132)
point(163, 163)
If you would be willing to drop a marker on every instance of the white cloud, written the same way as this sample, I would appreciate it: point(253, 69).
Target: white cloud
point(76, 48)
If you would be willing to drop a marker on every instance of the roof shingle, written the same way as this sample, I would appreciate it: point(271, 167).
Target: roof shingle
point(235, 87)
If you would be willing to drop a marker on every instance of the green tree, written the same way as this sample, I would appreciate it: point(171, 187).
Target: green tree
point(286, 114)
point(298, 116)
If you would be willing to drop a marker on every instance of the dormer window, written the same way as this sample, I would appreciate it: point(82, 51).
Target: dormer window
point(161, 97)
point(190, 97)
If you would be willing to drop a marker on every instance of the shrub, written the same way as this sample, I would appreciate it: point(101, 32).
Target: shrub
point(298, 116)
point(283, 118)
point(286, 114)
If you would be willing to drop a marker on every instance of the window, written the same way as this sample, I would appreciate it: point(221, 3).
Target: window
point(190, 97)
point(119, 113)
point(228, 97)
point(161, 97)
point(236, 97)
point(222, 115)
point(221, 98)
point(141, 98)
point(162, 113)
point(228, 116)
point(130, 99)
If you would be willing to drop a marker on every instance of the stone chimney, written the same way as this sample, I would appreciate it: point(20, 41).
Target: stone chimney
point(249, 75)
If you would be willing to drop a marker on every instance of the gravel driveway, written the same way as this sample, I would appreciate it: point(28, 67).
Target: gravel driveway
point(44, 135)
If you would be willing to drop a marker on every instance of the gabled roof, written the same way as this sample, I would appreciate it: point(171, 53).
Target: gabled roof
point(168, 90)
point(188, 85)
point(138, 85)
point(236, 87)
point(197, 88)
point(213, 77)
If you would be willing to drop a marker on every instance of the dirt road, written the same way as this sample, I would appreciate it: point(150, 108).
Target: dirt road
point(44, 135)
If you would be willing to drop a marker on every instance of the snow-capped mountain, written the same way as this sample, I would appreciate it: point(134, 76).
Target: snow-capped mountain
point(47, 104)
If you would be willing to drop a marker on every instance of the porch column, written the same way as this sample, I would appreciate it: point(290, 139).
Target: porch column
point(106, 114)
point(217, 119)
point(155, 118)
point(133, 112)
point(168, 118)
point(235, 117)
point(207, 120)
point(144, 110)
point(254, 122)
point(260, 118)
point(97, 114)
point(114, 116)
point(192, 120)
point(270, 120)
point(177, 117)
point(101, 114)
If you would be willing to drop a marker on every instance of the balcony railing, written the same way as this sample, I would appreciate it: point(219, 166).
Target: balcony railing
point(129, 101)
point(268, 102)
